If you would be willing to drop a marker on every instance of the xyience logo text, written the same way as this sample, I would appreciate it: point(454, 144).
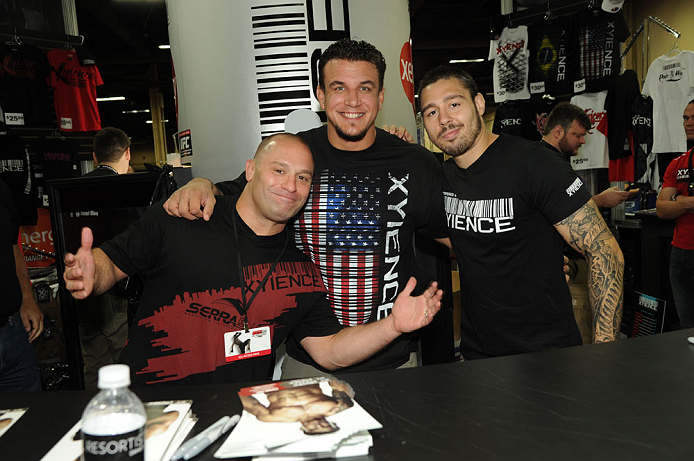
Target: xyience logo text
point(491, 216)
point(574, 187)
point(399, 193)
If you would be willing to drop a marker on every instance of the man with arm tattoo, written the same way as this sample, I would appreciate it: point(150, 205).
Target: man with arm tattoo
point(565, 131)
point(510, 204)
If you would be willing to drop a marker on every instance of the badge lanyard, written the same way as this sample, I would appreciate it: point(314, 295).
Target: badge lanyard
point(242, 279)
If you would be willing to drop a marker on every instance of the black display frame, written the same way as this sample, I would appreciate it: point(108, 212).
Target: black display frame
point(81, 194)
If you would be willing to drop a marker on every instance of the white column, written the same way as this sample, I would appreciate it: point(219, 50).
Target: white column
point(241, 66)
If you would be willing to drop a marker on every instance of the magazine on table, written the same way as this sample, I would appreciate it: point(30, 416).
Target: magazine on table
point(8, 417)
point(300, 419)
point(168, 424)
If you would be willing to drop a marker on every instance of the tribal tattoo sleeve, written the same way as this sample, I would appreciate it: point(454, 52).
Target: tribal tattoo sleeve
point(586, 231)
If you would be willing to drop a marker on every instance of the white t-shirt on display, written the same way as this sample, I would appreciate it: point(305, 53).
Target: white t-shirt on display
point(594, 153)
point(670, 82)
point(511, 62)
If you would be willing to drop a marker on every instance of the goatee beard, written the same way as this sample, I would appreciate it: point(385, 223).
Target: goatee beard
point(351, 137)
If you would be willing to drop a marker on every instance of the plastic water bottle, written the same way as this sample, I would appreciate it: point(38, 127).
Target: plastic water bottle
point(113, 424)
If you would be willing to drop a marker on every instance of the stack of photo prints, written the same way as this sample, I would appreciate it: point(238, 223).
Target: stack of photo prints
point(168, 424)
point(300, 419)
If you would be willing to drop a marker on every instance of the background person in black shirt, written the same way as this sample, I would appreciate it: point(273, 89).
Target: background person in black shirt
point(21, 320)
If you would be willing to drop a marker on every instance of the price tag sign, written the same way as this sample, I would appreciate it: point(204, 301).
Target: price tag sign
point(579, 85)
point(65, 123)
point(14, 118)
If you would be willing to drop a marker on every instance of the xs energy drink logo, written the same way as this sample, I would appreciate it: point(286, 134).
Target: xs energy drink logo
point(129, 446)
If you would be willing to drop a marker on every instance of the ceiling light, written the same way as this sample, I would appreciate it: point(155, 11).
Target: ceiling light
point(140, 111)
point(456, 61)
point(164, 47)
point(112, 98)
point(149, 121)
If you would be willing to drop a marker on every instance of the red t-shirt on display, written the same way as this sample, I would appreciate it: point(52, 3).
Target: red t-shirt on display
point(677, 175)
point(75, 91)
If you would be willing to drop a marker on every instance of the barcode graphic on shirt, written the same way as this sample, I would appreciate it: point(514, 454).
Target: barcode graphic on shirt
point(282, 70)
point(493, 208)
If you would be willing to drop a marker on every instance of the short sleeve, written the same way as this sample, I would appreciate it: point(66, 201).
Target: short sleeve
point(138, 247)
point(621, 28)
point(233, 188)
point(97, 76)
point(649, 86)
point(553, 186)
point(496, 126)
point(436, 226)
point(492, 49)
point(318, 321)
point(670, 177)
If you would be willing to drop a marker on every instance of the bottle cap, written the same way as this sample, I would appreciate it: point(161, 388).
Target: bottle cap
point(112, 376)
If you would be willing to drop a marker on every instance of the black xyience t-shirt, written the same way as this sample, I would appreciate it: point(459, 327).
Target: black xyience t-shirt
point(501, 213)
point(598, 37)
point(192, 296)
point(23, 73)
point(358, 226)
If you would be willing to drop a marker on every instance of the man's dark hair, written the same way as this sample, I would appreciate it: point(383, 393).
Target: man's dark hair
point(352, 50)
point(110, 144)
point(564, 114)
point(445, 72)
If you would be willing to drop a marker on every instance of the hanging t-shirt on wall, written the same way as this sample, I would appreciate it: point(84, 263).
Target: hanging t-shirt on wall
point(552, 58)
point(75, 91)
point(593, 154)
point(23, 75)
point(526, 119)
point(512, 117)
point(510, 55)
point(641, 112)
point(15, 171)
point(599, 36)
point(670, 82)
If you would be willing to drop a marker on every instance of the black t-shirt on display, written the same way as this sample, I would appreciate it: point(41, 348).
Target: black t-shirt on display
point(191, 299)
point(512, 117)
point(9, 231)
point(624, 91)
point(598, 38)
point(58, 157)
point(501, 213)
point(526, 119)
point(23, 74)
point(358, 226)
point(15, 170)
point(641, 112)
point(553, 64)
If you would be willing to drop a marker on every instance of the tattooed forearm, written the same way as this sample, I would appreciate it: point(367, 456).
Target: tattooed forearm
point(586, 231)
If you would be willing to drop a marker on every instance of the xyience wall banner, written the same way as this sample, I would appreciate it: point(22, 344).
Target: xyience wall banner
point(242, 66)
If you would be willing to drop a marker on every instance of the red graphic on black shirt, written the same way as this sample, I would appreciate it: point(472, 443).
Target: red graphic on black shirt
point(194, 324)
point(19, 68)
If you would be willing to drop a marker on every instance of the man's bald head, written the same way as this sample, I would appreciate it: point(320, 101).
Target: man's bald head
point(279, 180)
point(688, 118)
point(271, 142)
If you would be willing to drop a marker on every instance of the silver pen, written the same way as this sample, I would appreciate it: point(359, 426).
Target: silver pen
point(204, 439)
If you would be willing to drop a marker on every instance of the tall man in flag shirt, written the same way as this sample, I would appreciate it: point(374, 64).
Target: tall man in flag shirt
point(371, 192)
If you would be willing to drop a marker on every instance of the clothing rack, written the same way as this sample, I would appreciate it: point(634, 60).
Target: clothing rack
point(646, 46)
point(43, 42)
point(528, 15)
